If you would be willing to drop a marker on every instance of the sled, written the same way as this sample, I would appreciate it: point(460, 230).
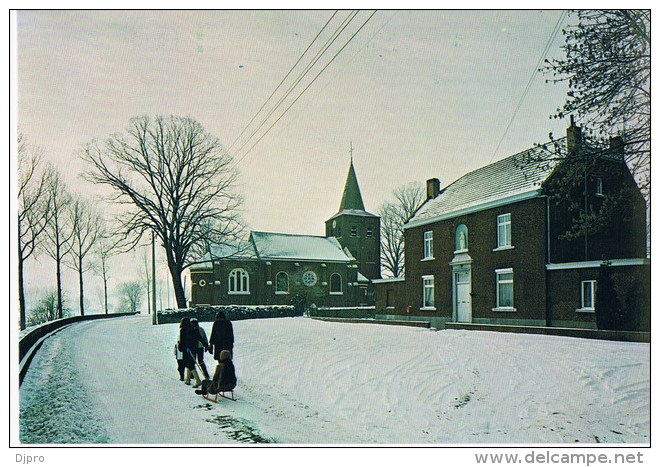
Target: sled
point(214, 397)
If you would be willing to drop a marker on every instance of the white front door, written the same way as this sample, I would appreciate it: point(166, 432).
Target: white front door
point(462, 297)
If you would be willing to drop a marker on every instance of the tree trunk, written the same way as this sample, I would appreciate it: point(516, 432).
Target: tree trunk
point(21, 291)
point(105, 294)
point(179, 293)
point(105, 287)
point(80, 281)
point(58, 276)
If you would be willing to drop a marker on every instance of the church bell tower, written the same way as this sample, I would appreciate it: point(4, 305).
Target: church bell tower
point(356, 229)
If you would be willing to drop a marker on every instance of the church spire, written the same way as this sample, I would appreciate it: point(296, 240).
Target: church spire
point(352, 198)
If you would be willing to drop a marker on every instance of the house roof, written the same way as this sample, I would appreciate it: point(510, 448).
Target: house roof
point(274, 246)
point(510, 179)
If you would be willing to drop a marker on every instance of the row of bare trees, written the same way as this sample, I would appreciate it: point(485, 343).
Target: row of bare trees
point(168, 177)
point(54, 221)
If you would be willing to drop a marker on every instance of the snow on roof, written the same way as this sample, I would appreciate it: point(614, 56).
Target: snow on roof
point(508, 178)
point(242, 250)
point(298, 247)
point(353, 212)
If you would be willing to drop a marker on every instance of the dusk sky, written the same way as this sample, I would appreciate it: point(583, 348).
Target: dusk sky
point(419, 94)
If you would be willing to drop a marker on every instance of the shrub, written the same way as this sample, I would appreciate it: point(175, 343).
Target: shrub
point(232, 313)
point(46, 309)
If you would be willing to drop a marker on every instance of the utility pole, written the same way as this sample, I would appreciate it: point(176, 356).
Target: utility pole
point(154, 317)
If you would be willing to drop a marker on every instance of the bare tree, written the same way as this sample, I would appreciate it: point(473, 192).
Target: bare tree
point(607, 66)
point(175, 180)
point(105, 248)
point(87, 227)
point(393, 216)
point(131, 296)
point(59, 230)
point(32, 212)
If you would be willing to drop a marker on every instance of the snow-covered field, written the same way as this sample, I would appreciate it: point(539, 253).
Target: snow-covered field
point(303, 381)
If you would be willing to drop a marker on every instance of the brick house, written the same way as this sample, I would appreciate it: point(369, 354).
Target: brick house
point(491, 248)
point(277, 268)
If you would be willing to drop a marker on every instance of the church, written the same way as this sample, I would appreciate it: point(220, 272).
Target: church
point(335, 270)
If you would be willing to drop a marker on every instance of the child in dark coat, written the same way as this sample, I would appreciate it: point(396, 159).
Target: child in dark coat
point(188, 339)
point(180, 365)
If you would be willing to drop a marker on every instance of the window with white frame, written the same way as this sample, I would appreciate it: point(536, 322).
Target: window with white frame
point(282, 283)
point(504, 292)
point(588, 299)
point(599, 187)
point(504, 230)
point(335, 284)
point(428, 293)
point(239, 282)
point(428, 245)
point(354, 231)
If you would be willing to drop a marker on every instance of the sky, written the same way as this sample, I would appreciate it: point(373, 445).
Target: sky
point(417, 94)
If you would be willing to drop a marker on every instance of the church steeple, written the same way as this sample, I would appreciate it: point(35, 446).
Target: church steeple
point(357, 230)
point(352, 198)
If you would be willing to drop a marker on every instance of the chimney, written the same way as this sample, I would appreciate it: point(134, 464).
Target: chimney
point(573, 137)
point(616, 146)
point(432, 188)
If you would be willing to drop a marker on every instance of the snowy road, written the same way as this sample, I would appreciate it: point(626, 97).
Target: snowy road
point(303, 381)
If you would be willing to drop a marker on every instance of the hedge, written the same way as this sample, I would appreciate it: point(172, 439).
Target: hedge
point(339, 312)
point(232, 313)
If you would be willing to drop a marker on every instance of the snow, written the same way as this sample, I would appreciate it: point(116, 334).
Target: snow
point(298, 247)
point(309, 382)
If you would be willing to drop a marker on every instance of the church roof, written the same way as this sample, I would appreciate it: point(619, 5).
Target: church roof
point(281, 246)
point(241, 251)
point(513, 178)
point(351, 200)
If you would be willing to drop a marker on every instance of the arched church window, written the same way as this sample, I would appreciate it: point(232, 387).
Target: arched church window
point(282, 283)
point(335, 284)
point(239, 281)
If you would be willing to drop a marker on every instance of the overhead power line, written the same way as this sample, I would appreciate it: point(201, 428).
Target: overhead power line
point(340, 29)
point(284, 79)
point(308, 85)
point(551, 39)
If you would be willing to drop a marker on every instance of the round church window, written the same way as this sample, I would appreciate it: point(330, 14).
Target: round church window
point(202, 283)
point(309, 278)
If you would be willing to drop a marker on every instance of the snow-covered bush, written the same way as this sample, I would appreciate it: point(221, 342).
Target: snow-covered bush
point(232, 313)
